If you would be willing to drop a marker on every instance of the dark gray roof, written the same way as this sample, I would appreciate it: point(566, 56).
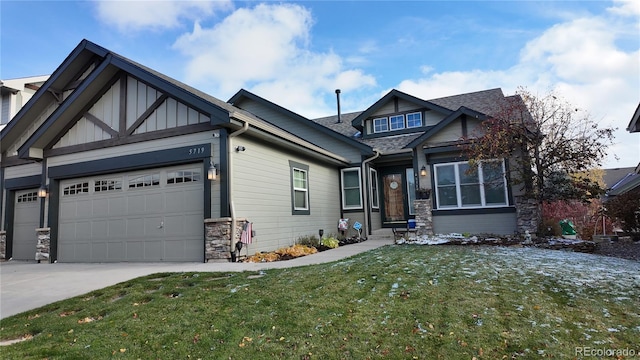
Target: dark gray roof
point(613, 176)
point(487, 102)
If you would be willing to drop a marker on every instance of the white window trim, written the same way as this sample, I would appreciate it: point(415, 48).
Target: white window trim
point(403, 122)
point(481, 184)
point(305, 190)
point(373, 178)
point(373, 123)
point(407, 120)
point(351, 207)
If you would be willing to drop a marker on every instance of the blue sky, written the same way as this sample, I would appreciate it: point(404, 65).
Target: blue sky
point(297, 53)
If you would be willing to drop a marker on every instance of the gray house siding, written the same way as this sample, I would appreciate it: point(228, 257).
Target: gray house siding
point(262, 194)
point(499, 224)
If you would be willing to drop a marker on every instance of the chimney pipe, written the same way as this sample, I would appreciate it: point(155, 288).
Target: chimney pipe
point(338, 100)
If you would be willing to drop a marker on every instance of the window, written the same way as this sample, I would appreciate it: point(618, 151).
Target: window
point(143, 181)
point(414, 120)
point(411, 189)
point(351, 185)
point(373, 180)
point(299, 188)
point(460, 186)
point(185, 176)
point(28, 197)
point(380, 125)
point(74, 189)
point(107, 185)
point(397, 122)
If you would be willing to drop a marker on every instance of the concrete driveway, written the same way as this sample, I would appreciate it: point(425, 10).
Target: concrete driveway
point(29, 285)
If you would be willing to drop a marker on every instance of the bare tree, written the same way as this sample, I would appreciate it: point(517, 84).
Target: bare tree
point(549, 140)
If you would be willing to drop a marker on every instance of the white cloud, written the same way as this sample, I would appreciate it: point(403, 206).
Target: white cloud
point(155, 14)
point(265, 49)
point(581, 59)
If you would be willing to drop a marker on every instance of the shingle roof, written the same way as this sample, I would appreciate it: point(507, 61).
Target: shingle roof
point(486, 101)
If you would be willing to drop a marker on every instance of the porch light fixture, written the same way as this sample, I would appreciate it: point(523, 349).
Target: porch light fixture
point(212, 173)
point(42, 192)
point(423, 171)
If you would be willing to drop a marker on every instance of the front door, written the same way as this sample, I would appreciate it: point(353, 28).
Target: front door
point(393, 191)
point(398, 192)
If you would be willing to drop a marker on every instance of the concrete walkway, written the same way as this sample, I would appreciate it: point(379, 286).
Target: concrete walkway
point(28, 285)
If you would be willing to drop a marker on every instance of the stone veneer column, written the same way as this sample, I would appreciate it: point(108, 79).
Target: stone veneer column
point(218, 237)
point(424, 220)
point(43, 248)
point(3, 245)
point(527, 215)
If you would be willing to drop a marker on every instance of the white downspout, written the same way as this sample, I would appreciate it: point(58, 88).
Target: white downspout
point(232, 209)
point(366, 192)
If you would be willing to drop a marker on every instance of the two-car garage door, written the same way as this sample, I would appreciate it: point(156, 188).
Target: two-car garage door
point(151, 215)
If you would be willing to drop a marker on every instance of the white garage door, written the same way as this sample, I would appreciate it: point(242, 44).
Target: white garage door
point(153, 215)
point(26, 221)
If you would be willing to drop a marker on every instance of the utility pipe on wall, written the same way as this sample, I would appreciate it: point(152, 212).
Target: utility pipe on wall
point(365, 194)
point(232, 209)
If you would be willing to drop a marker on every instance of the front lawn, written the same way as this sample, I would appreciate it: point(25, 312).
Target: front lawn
point(404, 301)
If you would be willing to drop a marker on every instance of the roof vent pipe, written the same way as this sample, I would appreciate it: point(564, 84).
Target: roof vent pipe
point(338, 100)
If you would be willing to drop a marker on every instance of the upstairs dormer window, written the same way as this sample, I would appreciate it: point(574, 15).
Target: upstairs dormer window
point(397, 122)
point(380, 125)
point(414, 120)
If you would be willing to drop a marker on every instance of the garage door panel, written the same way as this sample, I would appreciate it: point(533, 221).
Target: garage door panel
point(117, 228)
point(117, 205)
point(99, 229)
point(155, 204)
point(99, 251)
point(157, 221)
point(100, 207)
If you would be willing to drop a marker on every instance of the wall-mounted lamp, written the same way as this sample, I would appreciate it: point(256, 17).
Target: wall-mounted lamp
point(423, 171)
point(43, 191)
point(212, 173)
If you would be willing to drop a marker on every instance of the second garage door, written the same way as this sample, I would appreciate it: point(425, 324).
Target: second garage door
point(153, 215)
point(27, 218)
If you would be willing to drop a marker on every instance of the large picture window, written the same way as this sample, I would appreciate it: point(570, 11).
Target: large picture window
point(460, 186)
point(299, 188)
point(351, 185)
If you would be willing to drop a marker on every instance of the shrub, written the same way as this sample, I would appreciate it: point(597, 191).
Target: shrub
point(330, 242)
point(308, 240)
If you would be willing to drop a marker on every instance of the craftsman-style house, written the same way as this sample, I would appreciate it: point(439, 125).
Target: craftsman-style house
point(111, 161)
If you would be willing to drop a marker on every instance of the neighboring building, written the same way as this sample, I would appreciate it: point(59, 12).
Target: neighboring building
point(113, 161)
point(634, 124)
point(630, 179)
point(15, 93)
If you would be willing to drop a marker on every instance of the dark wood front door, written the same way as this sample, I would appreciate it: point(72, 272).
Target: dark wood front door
point(393, 190)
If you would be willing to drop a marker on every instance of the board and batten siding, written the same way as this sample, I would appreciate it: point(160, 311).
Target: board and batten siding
point(304, 131)
point(262, 194)
point(500, 224)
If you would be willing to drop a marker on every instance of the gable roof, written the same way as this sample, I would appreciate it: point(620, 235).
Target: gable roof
point(108, 64)
point(446, 121)
point(613, 176)
point(634, 125)
point(245, 94)
point(487, 102)
point(357, 121)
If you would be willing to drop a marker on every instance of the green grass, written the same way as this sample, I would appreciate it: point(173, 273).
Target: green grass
point(423, 302)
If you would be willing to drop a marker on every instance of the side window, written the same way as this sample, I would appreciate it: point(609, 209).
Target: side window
point(373, 180)
point(299, 174)
point(351, 189)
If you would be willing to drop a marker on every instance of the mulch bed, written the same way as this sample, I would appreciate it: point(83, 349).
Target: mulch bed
point(620, 249)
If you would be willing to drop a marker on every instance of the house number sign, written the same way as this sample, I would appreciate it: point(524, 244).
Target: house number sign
point(196, 150)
